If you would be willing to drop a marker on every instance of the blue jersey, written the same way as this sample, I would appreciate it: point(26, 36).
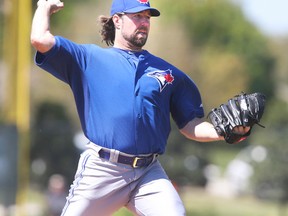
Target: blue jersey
point(124, 99)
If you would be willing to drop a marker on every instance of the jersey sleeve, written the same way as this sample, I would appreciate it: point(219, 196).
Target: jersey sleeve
point(186, 102)
point(65, 60)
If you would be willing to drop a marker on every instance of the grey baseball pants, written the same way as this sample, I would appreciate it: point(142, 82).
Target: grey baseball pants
point(101, 187)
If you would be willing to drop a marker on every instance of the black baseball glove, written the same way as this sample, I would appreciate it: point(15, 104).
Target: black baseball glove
point(242, 110)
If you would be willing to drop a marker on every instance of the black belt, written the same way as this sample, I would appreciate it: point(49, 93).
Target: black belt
point(135, 161)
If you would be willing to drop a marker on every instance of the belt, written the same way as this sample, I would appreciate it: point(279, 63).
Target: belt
point(134, 161)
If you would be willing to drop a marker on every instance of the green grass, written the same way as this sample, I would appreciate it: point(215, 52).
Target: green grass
point(123, 212)
point(199, 203)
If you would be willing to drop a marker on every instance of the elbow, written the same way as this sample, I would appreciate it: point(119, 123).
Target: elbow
point(187, 134)
point(35, 42)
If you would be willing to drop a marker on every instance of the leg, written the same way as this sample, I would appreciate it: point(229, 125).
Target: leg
point(155, 195)
point(99, 188)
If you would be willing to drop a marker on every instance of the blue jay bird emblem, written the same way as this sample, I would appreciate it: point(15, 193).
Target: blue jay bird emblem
point(164, 77)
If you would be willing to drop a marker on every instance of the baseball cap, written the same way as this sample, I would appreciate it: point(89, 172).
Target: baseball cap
point(132, 6)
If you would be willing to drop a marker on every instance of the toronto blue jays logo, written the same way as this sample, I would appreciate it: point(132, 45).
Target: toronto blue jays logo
point(143, 1)
point(164, 77)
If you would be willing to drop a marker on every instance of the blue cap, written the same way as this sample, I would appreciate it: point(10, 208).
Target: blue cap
point(132, 6)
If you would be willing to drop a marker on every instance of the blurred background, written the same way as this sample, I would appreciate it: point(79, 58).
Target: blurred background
point(225, 46)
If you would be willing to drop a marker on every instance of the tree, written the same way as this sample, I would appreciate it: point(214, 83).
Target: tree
point(52, 148)
point(270, 180)
point(218, 31)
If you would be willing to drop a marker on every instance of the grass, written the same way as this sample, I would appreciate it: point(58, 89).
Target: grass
point(123, 212)
point(199, 203)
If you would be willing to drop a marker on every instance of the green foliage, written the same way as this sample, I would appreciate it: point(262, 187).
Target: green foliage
point(215, 68)
point(185, 160)
point(271, 179)
point(221, 26)
point(230, 56)
point(271, 176)
point(63, 17)
point(52, 142)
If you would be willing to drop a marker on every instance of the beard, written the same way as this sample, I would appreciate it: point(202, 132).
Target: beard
point(138, 39)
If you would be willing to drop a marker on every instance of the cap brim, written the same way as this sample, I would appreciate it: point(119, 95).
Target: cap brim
point(154, 11)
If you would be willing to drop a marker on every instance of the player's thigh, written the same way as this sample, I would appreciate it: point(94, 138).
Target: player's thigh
point(85, 207)
point(99, 188)
point(156, 196)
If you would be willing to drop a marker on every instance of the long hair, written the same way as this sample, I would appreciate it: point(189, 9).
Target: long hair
point(107, 31)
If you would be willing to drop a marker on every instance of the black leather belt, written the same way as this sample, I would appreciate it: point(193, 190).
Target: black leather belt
point(135, 162)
